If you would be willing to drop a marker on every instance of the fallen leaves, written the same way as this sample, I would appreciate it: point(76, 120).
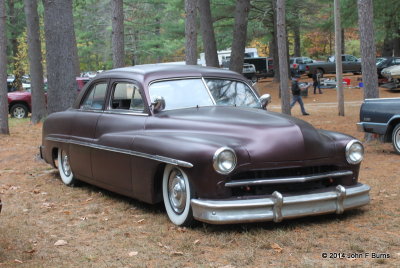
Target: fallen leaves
point(276, 247)
point(133, 253)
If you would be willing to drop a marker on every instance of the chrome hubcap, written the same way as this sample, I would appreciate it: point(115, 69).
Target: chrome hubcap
point(65, 164)
point(19, 112)
point(177, 191)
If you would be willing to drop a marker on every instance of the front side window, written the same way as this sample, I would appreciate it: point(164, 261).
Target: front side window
point(95, 99)
point(126, 96)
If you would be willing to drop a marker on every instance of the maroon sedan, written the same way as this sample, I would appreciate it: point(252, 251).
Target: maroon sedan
point(200, 140)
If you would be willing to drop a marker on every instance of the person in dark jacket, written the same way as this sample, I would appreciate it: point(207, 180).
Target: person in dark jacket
point(316, 84)
point(296, 92)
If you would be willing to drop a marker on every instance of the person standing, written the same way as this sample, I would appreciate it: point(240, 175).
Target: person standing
point(296, 92)
point(316, 83)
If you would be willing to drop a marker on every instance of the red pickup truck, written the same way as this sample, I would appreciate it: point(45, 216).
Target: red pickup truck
point(20, 102)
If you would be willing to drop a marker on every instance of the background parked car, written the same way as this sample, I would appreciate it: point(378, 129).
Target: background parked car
point(384, 62)
point(249, 70)
point(264, 66)
point(20, 102)
point(298, 65)
point(392, 74)
point(382, 117)
point(350, 64)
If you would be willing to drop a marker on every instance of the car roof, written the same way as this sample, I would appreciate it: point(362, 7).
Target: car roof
point(150, 72)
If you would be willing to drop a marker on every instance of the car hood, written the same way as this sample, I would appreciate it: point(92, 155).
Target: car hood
point(266, 136)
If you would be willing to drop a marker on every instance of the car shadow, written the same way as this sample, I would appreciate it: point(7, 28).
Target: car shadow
point(285, 225)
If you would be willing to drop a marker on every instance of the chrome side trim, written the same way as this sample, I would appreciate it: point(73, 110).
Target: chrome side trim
point(278, 207)
point(283, 180)
point(125, 112)
point(159, 158)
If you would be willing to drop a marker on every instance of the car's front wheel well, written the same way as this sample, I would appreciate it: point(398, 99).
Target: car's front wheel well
point(390, 128)
point(158, 177)
point(54, 156)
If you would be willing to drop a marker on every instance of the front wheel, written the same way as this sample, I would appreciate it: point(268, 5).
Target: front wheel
point(396, 138)
point(177, 194)
point(19, 111)
point(64, 168)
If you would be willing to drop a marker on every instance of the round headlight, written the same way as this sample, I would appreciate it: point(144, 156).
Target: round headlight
point(354, 152)
point(224, 160)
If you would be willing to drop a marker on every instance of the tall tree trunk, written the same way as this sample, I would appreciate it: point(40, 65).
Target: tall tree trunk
point(191, 32)
point(207, 32)
point(274, 43)
point(296, 32)
point(343, 41)
point(239, 35)
point(3, 72)
point(14, 46)
point(282, 52)
point(35, 61)
point(368, 49)
point(118, 43)
point(396, 45)
point(61, 54)
point(338, 57)
point(158, 33)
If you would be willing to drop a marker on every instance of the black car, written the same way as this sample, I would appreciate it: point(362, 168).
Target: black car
point(384, 62)
point(382, 117)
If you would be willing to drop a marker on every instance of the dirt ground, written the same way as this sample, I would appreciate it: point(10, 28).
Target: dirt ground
point(46, 224)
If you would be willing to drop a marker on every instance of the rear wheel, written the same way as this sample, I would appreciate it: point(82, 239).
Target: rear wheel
point(64, 168)
point(396, 138)
point(177, 194)
point(19, 111)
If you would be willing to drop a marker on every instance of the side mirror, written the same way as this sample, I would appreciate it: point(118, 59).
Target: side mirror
point(158, 104)
point(265, 99)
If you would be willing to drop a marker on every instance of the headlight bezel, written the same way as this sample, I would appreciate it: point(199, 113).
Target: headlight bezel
point(349, 152)
point(217, 164)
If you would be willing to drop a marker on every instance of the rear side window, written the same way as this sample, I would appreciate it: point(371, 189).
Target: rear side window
point(95, 99)
point(126, 96)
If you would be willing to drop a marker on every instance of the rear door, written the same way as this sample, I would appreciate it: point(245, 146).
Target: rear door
point(84, 127)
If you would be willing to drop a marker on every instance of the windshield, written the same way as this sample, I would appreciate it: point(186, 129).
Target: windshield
point(185, 93)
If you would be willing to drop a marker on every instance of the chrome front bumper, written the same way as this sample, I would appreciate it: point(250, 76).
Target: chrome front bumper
point(279, 207)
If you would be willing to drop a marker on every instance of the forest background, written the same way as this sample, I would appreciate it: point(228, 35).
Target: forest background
point(154, 30)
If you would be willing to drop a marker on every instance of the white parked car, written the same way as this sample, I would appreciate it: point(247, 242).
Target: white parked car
point(392, 73)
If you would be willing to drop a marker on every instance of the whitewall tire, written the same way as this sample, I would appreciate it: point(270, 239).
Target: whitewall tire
point(177, 194)
point(64, 168)
point(396, 138)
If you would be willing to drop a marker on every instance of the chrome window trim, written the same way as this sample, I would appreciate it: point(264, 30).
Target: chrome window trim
point(208, 90)
point(125, 112)
point(89, 110)
point(284, 180)
point(159, 158)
